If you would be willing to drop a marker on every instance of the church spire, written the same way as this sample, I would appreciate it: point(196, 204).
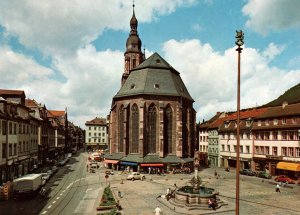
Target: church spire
point(133, 54)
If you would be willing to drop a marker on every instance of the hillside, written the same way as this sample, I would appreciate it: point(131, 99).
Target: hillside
point(291, 96)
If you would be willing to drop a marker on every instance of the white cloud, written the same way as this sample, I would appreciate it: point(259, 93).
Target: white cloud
point(272, 51)
point(61, 27)
point(211, 77)
point(17, 69)
point(272, 15)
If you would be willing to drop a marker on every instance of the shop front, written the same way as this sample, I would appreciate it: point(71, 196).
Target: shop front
point(152, 168)
point(289, 168)
point(111, 164)
point(129, 166)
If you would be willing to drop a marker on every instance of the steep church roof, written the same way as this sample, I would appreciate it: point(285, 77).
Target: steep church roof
point(154, 77)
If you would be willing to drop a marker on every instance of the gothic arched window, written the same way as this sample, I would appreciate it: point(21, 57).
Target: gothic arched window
point(121, 128)
point(134, 129)
point(168, 130)
point(152, 115)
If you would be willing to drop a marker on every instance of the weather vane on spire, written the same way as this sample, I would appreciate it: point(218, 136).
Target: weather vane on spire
point(133, 3)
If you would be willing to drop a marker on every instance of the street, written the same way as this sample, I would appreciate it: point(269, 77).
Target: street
point(73, 191)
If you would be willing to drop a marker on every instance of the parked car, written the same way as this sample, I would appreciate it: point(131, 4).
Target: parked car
point(108, 172)
point(94, 166)
point(54, 169)
point(135, 176)
point(61, 162)
point(263, 175)
point(45, 176)
point(50, 172)
point(247, 172)
point(284, 179)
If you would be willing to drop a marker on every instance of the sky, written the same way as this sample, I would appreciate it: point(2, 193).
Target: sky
point(70, 54)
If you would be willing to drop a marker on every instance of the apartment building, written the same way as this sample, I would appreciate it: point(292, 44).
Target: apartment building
point(28, 137)
point(276, 133)
point(228, 138)
point(96, 136)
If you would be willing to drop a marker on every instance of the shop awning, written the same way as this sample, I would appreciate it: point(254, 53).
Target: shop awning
point(288, 166)
point(152, 164)
point(111, 161)
point(128, 163)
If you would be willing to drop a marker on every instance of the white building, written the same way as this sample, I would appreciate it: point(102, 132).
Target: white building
point(96, 136)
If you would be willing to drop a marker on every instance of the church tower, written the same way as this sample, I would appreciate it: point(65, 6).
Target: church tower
point(133, 54)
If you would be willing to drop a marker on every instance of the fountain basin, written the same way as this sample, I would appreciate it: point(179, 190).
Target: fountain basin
point(190, 196)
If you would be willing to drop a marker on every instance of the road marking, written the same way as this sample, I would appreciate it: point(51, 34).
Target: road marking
point(44, 212)
point(61, 194)
point(49, 206)
point(58, 198)
point(53, 202)
point(69, 185)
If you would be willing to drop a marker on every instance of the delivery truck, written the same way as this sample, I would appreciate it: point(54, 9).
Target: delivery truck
point(28, 185)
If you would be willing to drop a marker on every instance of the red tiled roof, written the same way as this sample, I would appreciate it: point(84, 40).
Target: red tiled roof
point(30, 103)
point(97, 121)
point(12, 92)
point(245, 114)
point(57, 112)
point(217, 122)
point(279, 111)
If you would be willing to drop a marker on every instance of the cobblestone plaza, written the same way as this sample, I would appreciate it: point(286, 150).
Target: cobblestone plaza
point(257, 196)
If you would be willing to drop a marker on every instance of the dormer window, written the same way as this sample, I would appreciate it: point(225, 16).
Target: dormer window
point(259, 123)
point(226, 125)
point(156, 86)
point(275, 122)
point(284, 121)
point(267, 122)
point(248, 123)
point(132, 86)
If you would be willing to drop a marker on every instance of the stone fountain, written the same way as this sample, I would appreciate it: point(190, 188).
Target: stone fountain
point(196, 195)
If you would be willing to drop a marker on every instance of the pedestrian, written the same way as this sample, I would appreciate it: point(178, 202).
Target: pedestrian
point(277, 189)
point(212, 204)
point(149, 169)
point(216, 174)
point(168, 191)
point(158, 211)
point(87, 167)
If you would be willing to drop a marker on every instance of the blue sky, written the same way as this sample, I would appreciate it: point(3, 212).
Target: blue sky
point(67, 54)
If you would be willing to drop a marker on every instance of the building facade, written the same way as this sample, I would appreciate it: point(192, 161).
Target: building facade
point(152, 119)
point(96, 136)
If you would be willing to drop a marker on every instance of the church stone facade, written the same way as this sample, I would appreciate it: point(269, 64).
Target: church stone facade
point(152, 122)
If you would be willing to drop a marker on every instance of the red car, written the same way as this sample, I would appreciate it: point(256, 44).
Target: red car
point(284, 179)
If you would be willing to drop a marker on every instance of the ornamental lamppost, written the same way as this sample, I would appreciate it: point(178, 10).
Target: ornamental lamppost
point(239, 42)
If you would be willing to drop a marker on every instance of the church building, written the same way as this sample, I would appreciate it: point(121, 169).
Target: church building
point(152, 122)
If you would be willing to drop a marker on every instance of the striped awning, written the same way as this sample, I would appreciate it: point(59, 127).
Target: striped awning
point(111, 161)
point(288, 166)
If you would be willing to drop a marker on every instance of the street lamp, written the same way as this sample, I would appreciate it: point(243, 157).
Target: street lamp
point(239, 42)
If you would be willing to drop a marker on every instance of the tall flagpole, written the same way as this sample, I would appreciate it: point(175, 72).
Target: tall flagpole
point(239, 42)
